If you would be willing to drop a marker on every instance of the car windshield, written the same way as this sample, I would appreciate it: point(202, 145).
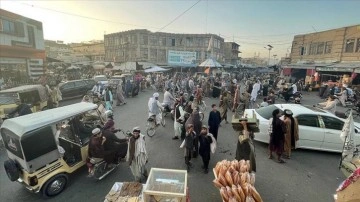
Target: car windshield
point(266, 112)
point(8, 98)
point(100, 78)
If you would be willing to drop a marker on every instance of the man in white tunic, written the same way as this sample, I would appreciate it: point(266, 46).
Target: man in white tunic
point(155, 107)
point(254, 93)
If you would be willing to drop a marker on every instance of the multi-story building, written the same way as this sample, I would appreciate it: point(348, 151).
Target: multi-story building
point(57, 49)
point(146, 46)
point(22, 51)
point(335, 51)
point(231, 51)
point(94, 50)
point(336, 45)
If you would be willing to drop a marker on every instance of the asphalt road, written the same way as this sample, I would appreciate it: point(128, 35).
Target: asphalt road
point(308, 176)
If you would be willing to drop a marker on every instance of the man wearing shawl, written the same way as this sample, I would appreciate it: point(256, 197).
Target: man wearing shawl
point(120, 95)
point(137, 156)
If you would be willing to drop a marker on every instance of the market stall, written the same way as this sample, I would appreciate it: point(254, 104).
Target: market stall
point(162, 185)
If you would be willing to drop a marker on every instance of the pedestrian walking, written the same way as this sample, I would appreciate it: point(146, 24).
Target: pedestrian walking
point(214, 121)
point(205, 141)
point(188, 145)
point(120, 95)
point(179, 118)
point(224, 105)
point(137, 156)
point(245, 149)
point(277, 130)
point(108, 98)
point(292, 133)
point(254, 94)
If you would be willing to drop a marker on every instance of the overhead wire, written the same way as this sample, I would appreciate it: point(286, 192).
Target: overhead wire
point(177, 17)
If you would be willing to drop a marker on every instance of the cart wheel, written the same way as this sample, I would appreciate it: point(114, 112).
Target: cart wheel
point(163, 120)
point(150, 128)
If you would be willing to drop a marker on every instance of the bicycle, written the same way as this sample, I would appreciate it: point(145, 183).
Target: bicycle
point(151, 124)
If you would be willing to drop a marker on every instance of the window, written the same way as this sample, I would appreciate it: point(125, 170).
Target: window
point(79, 83)
point(8, 26)
point(44, 142)
point(308, 120)
point(313, 47)
point(320, 48)
point(349, 45)
point(68, 86)
point(144, 40)
point(162, 41)
point(189, 41)
point(144, 53)
point(358, 46)
point(198, 55)
point(172, 42)
point(332, 123)
point(303, 50)
point(153, 41)
point(153, 54)
point(328, 47)
point(266, 112)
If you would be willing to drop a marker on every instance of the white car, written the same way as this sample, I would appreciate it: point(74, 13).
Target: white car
point(318, 129)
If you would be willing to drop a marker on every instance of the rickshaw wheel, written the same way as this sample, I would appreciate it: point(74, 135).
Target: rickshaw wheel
point(55, 185)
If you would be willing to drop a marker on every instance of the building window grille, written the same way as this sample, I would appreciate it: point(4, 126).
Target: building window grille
point(358, 46)
point(313, 47)
point(328, 47)
point(349, 45)
point(320, 48)
point(303, 50)
point(8, 26)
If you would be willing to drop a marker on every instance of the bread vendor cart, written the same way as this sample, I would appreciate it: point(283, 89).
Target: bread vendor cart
point(162, 185)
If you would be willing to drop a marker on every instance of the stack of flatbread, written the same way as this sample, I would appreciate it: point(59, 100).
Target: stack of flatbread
point(129, 192)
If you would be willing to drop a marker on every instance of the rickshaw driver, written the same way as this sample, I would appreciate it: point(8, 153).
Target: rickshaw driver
point(21, 109)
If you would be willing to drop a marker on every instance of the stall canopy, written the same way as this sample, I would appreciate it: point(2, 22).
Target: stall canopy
point(155, 69)
point(341, 67)
point(210, 62)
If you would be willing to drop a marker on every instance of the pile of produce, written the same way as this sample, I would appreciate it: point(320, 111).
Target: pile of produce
point(235, 182)
point(129, 192)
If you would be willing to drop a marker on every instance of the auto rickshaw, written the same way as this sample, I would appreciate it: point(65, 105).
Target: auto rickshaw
point(33, 95)
point(45, 147)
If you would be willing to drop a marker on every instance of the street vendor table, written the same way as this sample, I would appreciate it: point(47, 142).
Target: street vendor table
point(117, 187)
point(166, 185)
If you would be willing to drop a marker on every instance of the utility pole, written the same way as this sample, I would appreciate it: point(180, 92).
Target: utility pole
point(269, 47)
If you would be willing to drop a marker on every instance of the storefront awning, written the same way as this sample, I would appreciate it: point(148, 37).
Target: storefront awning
point(304, 66)
point(334, 69)
point(341, 67)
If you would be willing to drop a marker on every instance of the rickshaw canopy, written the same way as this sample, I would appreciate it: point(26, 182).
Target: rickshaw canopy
point(23, 124)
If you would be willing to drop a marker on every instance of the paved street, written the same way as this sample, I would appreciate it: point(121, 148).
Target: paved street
point(308, 176)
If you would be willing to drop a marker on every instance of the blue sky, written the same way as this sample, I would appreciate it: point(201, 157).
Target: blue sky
point(253, 24)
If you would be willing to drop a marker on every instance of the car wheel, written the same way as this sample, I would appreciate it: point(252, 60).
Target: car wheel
point(12, 170)
point(55, 185)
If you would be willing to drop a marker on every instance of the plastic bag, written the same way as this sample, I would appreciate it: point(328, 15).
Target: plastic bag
point(213, 144)
point(182, 144)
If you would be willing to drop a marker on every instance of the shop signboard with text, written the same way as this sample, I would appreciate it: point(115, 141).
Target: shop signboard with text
point(182, 58)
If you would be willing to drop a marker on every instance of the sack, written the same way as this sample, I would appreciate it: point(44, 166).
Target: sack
point(213, 144)
point(182, 144)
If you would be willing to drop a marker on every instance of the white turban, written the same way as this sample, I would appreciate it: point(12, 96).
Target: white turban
point(156, 95)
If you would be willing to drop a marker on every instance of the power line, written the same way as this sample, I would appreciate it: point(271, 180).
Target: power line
point(87, 17)
point(177, 17)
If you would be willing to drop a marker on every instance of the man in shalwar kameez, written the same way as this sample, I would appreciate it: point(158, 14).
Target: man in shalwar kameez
point(178, 114)
point(137, 156)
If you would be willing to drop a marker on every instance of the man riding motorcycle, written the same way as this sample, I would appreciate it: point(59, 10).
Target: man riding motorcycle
point(105, 145)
